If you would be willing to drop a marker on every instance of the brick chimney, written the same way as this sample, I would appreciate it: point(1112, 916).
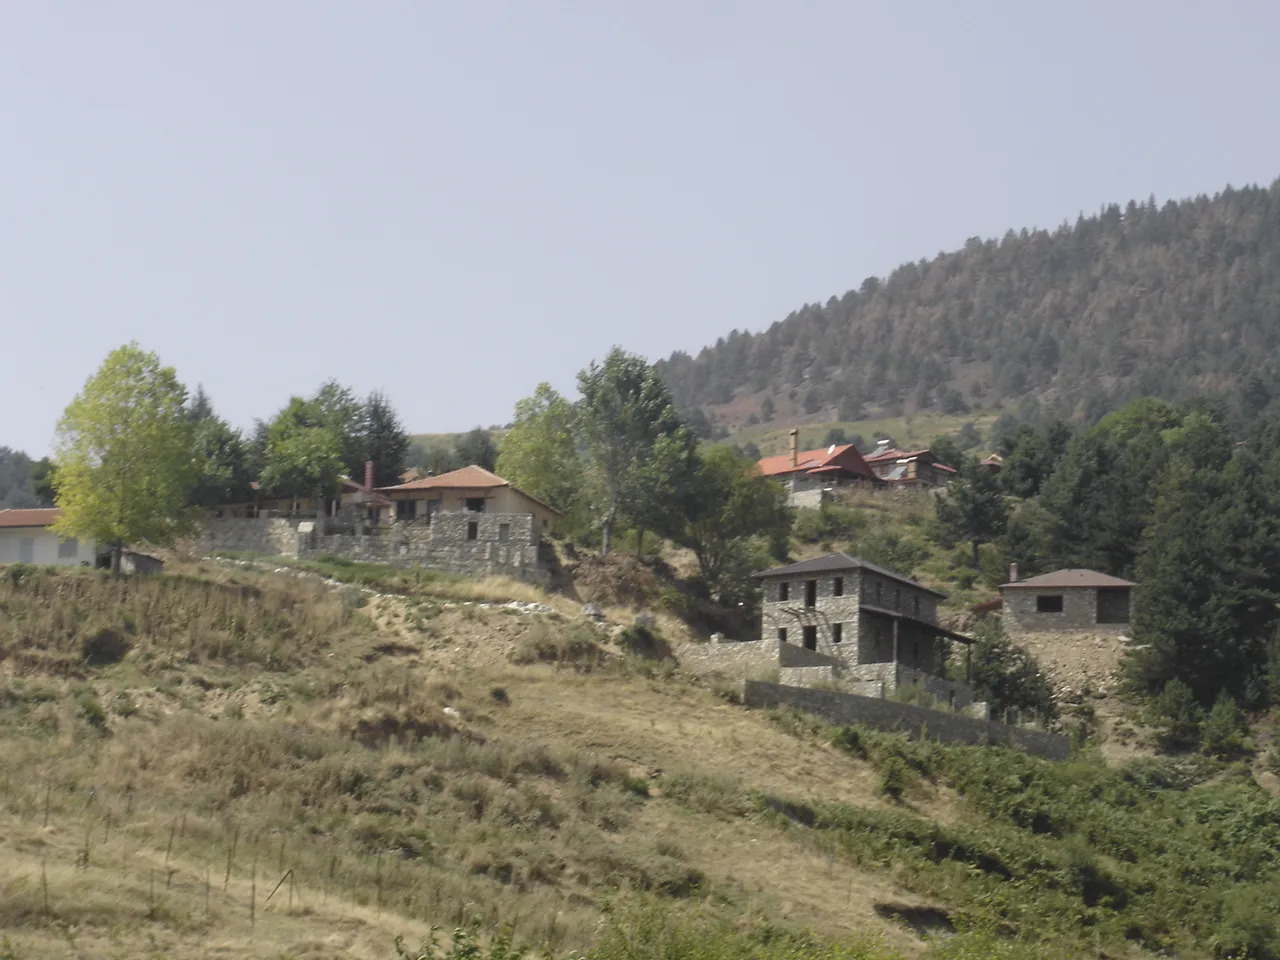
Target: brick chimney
point(795, 447)
point(1013, 573)
point(368, 474)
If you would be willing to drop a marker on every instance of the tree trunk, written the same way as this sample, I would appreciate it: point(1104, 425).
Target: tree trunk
point(640, 543)
point(117, 551)
point(606, 534)
point(977, 563)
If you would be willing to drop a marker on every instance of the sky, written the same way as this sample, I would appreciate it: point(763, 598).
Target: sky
point(452, 202)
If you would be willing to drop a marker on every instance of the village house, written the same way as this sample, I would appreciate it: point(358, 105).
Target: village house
point(472, 490)
point(908, 467)
point(880, 626)
point(25, 537)
point(806, 474)
point(1066, 601)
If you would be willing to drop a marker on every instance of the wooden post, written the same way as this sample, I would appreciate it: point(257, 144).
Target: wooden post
point(895, 654)
point(968, 664)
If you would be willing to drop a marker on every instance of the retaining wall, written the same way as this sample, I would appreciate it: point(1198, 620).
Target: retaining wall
point(848, 708)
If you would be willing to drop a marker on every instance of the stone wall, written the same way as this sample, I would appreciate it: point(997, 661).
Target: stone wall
point(474, 544)
point(811, 499)
point(274, 537)
point(892, 676)
point(847, 708)
point(1079, 611)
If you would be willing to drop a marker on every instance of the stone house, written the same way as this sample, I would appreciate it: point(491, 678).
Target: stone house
point(1066, 601)
point(25, 537)
point(877, 625)
point(471, 490)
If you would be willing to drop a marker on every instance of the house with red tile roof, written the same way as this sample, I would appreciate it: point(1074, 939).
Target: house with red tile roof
point(908, 467)
point(26, 537)
point(471, 489)
point(833, 466)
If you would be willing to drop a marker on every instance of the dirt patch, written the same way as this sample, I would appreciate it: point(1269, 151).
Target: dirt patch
point(1077, 664)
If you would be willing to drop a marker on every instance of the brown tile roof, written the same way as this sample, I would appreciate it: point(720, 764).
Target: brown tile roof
point(41, 517)
point(1070, 578)
point(468, 478)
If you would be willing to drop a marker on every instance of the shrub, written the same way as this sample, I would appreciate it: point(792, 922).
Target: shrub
point(1222, 734)
point(1177, 716)
point(895, 778)
point(1008, 677)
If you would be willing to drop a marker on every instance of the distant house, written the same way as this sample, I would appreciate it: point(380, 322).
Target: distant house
point(908, 467)
point(815, 470)
point(25, 537)
point(1066, 601)
point(472, 489)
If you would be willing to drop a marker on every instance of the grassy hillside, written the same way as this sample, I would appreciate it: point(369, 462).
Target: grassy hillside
point(234, 762)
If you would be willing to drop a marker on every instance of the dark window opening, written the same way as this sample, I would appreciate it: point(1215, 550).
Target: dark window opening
point(837, 587)
point(897, 599)
point(784, 590)
point(782, 634)
point(1113, 605)
point(917, 599)
point(811, 637)
point(837, 632)
point(811, 593)
point(475, 504)
point(1049, 603)
point(404, 509)
point(878, 590)
point(473, 529)
point(504, 532)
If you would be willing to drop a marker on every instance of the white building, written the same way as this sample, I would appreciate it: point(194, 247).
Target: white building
point(25, 537)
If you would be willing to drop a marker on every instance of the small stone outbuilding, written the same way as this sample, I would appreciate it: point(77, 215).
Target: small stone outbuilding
point(1067, 601)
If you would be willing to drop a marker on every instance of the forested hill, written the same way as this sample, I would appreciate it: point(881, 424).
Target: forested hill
point(1152, 300)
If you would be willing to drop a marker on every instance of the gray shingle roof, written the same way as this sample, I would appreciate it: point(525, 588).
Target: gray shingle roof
point(1070, 578)
point(834, 562)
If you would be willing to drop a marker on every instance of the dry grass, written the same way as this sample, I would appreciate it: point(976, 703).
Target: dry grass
point(393, 758)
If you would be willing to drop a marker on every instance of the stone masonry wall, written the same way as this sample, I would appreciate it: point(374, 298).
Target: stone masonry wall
point(847, 708)
point(1079, 612)
point(956, 694)
point(274, 537)
point(751, 658)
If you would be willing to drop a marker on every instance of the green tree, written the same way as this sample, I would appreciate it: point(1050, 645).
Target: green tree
point(973, 508)
point(337, 409)
point(624, 410)
point(383, 441)
point(767, 409)
point(223, 466)
point(1223, 733)
point(538, 453)
point(125, 461)
point(1007, 676)
point(1176, 715)
point(42, 485)
point(728, 509)
point(476, 446)
point(302, 461)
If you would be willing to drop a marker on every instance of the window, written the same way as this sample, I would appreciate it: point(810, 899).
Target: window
point(473, 529)
point(877, 591)
point(811, 593)
point(784, 591)
point(837, 587)
point(67, 549)
point(504, 532)
point(897, 599)
point(404, 510)
point(837, 632)
point(782, 634)
point(475, 504)
point(1049, 603)
point(917, 599)
point(1113, 605)
point(811, 637)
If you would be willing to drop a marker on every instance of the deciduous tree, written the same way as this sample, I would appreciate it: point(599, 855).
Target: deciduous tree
point(538, 453)
point(125, 458)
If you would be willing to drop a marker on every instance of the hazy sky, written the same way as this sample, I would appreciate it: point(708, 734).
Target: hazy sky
point(454, 201)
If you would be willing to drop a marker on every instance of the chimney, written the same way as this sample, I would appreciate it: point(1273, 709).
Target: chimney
point(795, 447)
point(1013, 573)
point(368, 474)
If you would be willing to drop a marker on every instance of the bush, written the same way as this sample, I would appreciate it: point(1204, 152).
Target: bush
point(1008, 677)
point(1223, 733)
point(895, 778)
point(1177, 716)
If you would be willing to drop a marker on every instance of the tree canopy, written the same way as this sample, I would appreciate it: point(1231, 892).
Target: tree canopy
point(125, 457)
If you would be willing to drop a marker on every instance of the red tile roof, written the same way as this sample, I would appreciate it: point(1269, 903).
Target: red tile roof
point(816, 461)
point(42, 517)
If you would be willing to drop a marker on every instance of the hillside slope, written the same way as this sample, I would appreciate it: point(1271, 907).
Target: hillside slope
point(1142, 300)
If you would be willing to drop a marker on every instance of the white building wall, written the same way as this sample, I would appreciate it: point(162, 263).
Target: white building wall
point(38, 546)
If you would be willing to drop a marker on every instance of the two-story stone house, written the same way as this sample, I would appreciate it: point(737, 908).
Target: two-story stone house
point(878, 624)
